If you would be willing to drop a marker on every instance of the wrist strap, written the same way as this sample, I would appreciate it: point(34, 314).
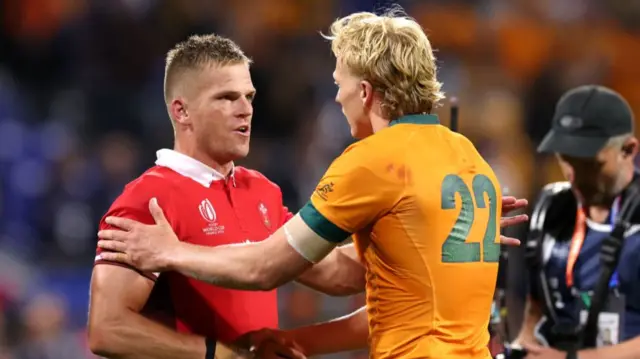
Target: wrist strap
point(572, 354)
point(211, 348)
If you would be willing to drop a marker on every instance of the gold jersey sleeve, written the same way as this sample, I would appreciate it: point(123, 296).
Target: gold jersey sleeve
point(356, 190)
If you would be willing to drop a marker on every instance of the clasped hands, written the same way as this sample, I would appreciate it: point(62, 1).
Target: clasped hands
point(263, 344)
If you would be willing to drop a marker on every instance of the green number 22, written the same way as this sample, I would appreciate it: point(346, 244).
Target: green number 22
point(455, 249)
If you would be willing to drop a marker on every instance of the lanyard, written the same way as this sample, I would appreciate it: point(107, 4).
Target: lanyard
point(577, 240)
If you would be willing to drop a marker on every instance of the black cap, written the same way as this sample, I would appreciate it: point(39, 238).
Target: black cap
point(586, 118)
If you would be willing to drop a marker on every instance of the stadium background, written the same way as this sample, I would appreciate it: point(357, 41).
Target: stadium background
point(82, 113)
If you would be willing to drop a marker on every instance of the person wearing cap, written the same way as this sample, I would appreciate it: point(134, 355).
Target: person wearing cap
point(592, 138)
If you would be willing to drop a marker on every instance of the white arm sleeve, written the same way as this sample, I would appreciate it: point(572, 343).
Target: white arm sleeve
point(305, 241)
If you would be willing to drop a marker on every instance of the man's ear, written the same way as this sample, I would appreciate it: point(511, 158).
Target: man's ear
point(366, 93)
point(630, 147)
point(179, 112)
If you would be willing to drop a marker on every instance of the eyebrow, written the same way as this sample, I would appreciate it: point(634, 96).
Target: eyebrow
point(234, 93)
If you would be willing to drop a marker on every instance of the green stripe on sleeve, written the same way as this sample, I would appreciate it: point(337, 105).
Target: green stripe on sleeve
point(321, 225)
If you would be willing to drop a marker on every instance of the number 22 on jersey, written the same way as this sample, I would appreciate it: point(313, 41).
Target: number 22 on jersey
point(455, 248)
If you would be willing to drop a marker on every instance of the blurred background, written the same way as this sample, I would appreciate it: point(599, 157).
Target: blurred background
point(82, 113)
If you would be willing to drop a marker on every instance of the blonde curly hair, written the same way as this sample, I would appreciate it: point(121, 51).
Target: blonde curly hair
point(393, 53)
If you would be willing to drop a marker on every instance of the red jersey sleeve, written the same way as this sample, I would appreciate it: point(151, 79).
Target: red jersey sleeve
point(133, 203)
point(286, 215)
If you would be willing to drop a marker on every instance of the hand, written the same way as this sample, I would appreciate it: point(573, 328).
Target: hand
point(146, 247)
point(270, 343)
point(230, 352)
point(535, 351)
point(272, 350)
point(509, 204)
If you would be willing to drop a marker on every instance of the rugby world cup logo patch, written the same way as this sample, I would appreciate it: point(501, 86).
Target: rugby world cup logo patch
point(208, 213)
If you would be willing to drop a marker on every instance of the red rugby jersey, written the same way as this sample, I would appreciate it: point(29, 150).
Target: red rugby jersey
point(205, 208)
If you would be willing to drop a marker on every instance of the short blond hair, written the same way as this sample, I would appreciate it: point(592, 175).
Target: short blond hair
point(198, 51)
point(393, 53)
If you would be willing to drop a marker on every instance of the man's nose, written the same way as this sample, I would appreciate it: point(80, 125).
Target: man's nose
point(245, 107)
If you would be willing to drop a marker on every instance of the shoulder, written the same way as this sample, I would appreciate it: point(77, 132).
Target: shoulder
point(158, 182)
point(372, 153)
point(253, 179)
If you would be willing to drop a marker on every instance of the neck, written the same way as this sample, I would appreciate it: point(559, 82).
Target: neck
point(598, 214)
point(224, 167)
point(599, 211)
point(378, 123)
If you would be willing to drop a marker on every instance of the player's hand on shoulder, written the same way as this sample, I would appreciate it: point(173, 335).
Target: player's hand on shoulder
point(510, 203)
point(146, 247)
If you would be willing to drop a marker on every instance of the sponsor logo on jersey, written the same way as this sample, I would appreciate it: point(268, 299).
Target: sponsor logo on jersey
point(324, 190)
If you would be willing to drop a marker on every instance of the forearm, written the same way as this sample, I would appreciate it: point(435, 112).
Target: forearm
point(339, 274)
point(132, 336)
point(629, 349)
point(250, 266)
point(343, 334)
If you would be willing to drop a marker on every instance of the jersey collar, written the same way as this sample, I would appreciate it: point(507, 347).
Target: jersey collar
point(421, 119)
point(189, 167)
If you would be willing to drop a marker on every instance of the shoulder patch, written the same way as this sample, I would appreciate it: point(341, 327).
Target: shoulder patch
point(324, 190)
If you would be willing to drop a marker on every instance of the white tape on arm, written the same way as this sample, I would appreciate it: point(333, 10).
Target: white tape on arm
point(305, 241)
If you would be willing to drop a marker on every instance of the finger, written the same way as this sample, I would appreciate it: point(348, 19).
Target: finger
point(156, 211)
point(260, 336)
point(509, 241)
point(512, 221)
point(113, 246)
point(113, 234)
point(516, 204)
point(122, 223)
point(508, 200)
point(115, 257)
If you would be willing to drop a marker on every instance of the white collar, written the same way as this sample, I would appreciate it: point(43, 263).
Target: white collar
point(189, 167)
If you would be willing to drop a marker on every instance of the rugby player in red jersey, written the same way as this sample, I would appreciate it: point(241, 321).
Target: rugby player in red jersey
point(207, 201)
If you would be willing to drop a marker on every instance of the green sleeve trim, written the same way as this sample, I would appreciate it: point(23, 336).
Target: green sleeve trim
point(321, 225)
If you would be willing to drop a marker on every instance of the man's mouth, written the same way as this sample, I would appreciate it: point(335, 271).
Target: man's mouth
point(243, 129)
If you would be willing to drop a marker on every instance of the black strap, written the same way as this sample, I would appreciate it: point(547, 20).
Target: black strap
point(609, 257)
point(211, 348)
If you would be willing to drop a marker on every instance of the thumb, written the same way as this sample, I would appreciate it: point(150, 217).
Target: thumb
point(156, 211)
